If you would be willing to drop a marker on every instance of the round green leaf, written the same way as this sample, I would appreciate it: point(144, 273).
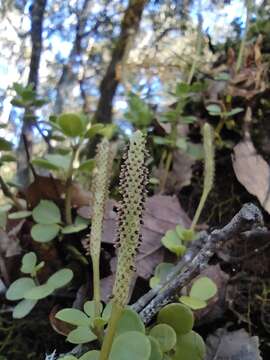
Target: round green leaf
point(214, 109)
point(89, 308)
point(39, 292)
point(19, 287)
point(90, 355)
point(161, 273)
point(193, 303)
point(8, 158)
point(190, 347)
point(23, 308)
point(87, 165)
point(71, 124)
point(19, 215)
point(60, 161)
point(68, 357)
point(156, 353)
point(45, 164)
point(165, 335)
point(129, 321)
point(44, 233)
point(81, 335)
point(29, 262)
point(71, 229)
point(173, 243)
point(73, 316)
point(131, 345)
point(107, 312)
point(46, 212)
point(94, 129)
point(60, 278)
point(178, 316)
point(5, 145)
point(203, 289)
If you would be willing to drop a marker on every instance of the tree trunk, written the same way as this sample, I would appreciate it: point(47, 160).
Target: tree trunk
point(109, 83)
point(37, 16)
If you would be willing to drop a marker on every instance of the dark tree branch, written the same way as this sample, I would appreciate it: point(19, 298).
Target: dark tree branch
point(248, 217)
point(37, 11)
point(109, 83)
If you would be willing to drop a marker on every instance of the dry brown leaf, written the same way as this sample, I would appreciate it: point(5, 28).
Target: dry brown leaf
point(44, 187)
point(161, 214)
point(253, 172)
point(235, 345)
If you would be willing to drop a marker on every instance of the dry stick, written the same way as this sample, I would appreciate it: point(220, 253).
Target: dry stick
point(244, 220)
point(8, 193)
point(192, 251)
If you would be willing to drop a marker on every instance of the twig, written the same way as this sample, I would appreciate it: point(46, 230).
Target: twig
point(244, 220)
point(28, 157)
point(7, 192)
point(192, 251)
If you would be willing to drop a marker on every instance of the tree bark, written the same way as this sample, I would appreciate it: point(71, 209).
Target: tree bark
point(109, 83)
point(67, 75)
point(37, 15)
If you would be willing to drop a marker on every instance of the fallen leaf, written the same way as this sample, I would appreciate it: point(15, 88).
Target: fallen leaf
point(49, 188)
point(161, 214)
point(252, 171)
point(235, 345)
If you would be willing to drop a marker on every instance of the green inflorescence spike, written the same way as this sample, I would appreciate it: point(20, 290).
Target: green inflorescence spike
point(133, 179)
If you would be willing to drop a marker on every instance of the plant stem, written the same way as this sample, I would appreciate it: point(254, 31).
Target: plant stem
point(96, 280)
point(198, 44)
point(108, 340)
point(69, 187)
point(7, 192)
point(244, 38)
point(166, 172)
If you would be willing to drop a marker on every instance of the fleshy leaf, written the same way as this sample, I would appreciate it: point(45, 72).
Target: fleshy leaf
point(190, 347)
point(156, 353)
point(131, 345)
point(87, 165)
point(19, 287)
point(165, 335)
point(60, 278)
point(90, 355)
point(29, 262)
point(130, 321)
point(81, 335)
point(173, 243)
point(5, 145)
point(71, 229)
point(19, 215)
point(45, 164)
point(23, 308)
point(46, 212)
point(73, 316)
point(71, 124)
point(44, 233)
point(161, 273)
point(39, 292)
point(193, 303)
point(203, 289)
point(178, 316)
point(89, 308)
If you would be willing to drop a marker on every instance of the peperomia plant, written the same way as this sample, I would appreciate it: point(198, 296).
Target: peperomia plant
point(125, 335)
point(29, 291)
point(176, 240)
point(202, 290)
point(48, 222)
